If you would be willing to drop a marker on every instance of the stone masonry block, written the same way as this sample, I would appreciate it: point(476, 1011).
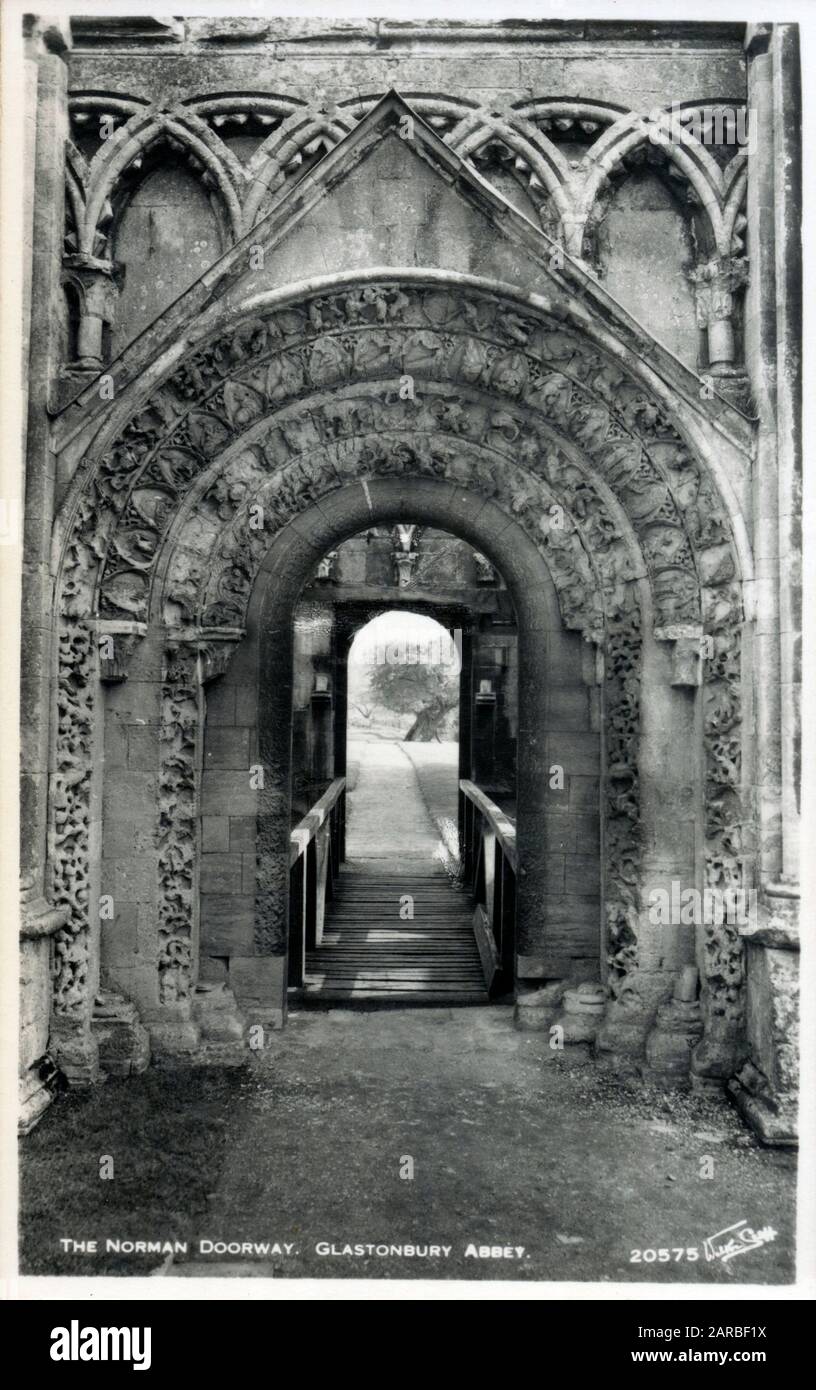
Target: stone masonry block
point(567, 708)
point(220, 704)
point(143, 747)
point(258, 980)
point(215, 834)
point(582, 873)
point(246, 705)
point(227, 748)
point(242, 833)
point(220, 873)
point(227, 924)
point(576, 753)
point(119, 938)
point(230, 792)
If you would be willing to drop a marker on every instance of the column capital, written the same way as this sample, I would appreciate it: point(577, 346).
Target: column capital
point(689, 646)
point(215, 647)
point(116, 643)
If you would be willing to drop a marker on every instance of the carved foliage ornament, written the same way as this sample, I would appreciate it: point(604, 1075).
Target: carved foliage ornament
point(177, 832)
point(71, 813)
point(541, 372)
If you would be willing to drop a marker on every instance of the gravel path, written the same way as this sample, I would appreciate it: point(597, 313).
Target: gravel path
point(513, 1148)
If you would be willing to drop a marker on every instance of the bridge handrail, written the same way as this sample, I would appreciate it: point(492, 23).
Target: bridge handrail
point(318, 848)
point(500, 824)
point(306, 829)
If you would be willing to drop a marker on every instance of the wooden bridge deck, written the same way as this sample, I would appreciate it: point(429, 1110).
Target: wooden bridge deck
point(369, 953)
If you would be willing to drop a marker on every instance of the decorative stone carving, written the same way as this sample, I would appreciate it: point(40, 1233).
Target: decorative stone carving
point(530, 499)
point(715, 283)
point(723, 956)
point(536, 364)
point(216, 648)
point(485, 573)
point(177, 822)
point(405, 554)
point(326, 567)
point(520, 141)
point(622, 820)
point(70, 817)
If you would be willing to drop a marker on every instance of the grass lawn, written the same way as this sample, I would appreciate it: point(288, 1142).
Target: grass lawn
point(167, 1132)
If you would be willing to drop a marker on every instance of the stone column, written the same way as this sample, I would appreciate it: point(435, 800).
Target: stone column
point(766, 1084)
point(46, 128)
point(657, 803)
point(184, 1016)
point(716, 282)
point(762, 606)
point(788, 247)
point(74, 850)
point(673, 827)
point(97, 283)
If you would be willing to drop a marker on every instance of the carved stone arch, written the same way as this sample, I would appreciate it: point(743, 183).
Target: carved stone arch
point(543, 167)
point(733, 220)
point(283, 152)
point(261, 372)
point(634, 131)
point(289, 560)
point(86, 107)
point(557, 501)
point(640, 471)
point(223, 389)
point(610, 608)
point(129, 145)
point(76, 176)
point(546, 111)
point(451, 117)
point(269, 109)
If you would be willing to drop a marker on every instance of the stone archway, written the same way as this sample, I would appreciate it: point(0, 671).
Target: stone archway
point(344, 390)
point(543, 645)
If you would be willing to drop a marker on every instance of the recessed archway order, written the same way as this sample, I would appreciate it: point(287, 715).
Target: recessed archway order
point(519, 425)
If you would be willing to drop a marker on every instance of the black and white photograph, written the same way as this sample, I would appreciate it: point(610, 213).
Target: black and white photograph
point(402, 563)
